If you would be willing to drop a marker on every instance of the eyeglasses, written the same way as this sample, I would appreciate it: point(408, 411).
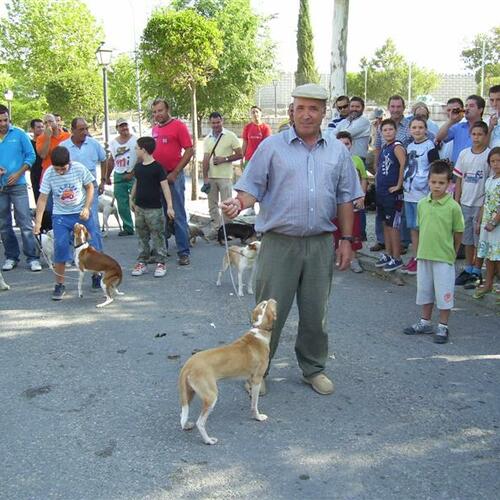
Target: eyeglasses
point(455, 111)
point(342, 107)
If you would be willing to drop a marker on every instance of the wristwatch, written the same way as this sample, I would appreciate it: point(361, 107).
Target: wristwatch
point(347, 238)
point(226, 159)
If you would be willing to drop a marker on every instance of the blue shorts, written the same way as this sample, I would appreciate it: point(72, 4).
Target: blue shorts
point(63, 224)
point(389, 209)
point(411, 214)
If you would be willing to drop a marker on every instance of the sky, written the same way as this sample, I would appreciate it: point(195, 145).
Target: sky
point(431, 35)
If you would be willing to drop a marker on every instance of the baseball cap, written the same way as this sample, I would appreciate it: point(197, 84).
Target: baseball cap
point(311, 91)
point(121, 121)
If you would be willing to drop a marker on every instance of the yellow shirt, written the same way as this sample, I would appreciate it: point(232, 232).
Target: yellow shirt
point(225, 147)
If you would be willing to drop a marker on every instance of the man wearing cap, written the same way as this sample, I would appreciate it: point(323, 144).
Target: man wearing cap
point(122, 163)
point(302, 180)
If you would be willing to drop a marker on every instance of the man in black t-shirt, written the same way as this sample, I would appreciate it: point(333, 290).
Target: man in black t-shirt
point(145, 200)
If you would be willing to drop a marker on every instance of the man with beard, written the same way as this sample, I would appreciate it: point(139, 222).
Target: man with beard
point(358, 126)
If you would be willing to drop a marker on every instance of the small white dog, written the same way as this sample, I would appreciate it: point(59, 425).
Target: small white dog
point(47, 241)
point(107, 207)
point(241, 258)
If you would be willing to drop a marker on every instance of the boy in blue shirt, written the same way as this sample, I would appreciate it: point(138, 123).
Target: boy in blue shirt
point(71, 185)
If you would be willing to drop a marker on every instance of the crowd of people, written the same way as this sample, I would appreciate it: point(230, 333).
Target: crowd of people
point(434, 187)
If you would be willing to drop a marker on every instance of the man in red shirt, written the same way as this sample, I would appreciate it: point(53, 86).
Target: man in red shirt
point(254, 133)
point(174, 149)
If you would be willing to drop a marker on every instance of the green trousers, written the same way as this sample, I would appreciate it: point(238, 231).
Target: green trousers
point(293, 267)
point(122, 190)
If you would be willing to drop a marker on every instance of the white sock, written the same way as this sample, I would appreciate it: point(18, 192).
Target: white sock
point(425, 321)
point(443, 325)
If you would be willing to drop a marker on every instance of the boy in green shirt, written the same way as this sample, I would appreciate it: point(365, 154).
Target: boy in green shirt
point(440, 225)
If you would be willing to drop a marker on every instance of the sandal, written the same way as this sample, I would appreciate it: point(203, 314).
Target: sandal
point(480, 292)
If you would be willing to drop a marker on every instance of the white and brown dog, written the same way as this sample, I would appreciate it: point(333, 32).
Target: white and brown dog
point(246, 357)
point(107, 207)
point(47, 243)
point(241, 258)
point(87, 258)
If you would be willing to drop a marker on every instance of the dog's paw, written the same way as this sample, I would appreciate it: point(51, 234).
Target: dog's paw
point(188, 426)
point(260, 417)
point(240, 294)
point(80, 295)
point(5, 287)
point(250, 291)
point(210, 440)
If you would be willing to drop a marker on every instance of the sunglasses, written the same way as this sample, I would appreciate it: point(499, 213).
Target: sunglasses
point(456, 111)
point(342, 107)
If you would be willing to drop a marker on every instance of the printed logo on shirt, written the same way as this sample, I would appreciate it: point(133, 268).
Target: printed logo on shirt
point(474, 178)
point(67, 194)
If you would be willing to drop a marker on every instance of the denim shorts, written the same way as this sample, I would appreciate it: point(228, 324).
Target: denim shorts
point(63, 224)
point(411, 214)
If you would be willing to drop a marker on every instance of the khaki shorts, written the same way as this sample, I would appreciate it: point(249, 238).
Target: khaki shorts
point(470, 219)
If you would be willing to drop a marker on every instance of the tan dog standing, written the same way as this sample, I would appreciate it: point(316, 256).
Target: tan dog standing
point(241, 258)
point(246, 357)
point(87, 258)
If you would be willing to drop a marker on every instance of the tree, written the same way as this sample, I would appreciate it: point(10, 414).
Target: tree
point(473, 57)
point(122, 84)
point(387, 74)
point(41, 39)
point(181, 49)
point(306, 68)
point(246, 62)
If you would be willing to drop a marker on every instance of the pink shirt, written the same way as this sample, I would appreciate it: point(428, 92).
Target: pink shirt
point(254, 134)
point(171, 139)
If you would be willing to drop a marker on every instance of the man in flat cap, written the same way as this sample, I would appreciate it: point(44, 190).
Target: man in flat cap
point(302, 180)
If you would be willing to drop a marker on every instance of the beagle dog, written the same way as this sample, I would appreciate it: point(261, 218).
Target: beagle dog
point(3, 285)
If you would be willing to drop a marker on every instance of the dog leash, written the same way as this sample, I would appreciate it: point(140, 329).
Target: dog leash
point(249, 314)
point(38, 239)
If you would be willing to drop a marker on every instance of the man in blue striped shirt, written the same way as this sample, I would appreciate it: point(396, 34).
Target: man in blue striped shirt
point(302, 180)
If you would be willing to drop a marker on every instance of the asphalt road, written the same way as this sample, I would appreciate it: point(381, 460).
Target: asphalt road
point(89, 406)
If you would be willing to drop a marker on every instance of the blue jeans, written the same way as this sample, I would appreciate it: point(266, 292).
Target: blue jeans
point(16, 196)
point(96, 236)
point(180, 222)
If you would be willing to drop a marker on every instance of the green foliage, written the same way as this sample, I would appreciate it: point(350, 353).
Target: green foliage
point(181, 49)
point(75, 92)
point(388, 75)
point(122, 84)
point(245, 62)
point(473, 57)
point(40, 40)
point(306, 68)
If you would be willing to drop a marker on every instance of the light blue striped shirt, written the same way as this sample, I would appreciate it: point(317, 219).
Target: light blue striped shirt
point(299, 187)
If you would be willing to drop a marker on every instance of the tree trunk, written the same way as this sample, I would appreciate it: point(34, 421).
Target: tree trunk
point(339, 49)
point(194, 161)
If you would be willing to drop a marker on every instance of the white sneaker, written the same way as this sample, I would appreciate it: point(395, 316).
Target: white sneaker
point(139, 269)
point(356, 266)
point(9, 264)
point(160, 270)
point(35, 266)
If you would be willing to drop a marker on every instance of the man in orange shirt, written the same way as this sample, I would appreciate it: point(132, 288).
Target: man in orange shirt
point(254, 133)
point(52, 136)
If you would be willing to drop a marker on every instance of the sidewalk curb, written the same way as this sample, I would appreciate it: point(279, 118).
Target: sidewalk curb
point(400, 279)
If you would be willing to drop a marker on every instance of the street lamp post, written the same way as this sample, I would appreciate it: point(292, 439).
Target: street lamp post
point(8, 96)
point(104, 60)
point(275, 83)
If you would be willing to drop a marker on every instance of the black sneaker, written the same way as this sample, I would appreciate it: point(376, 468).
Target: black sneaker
point(419, 328)
point(474, 282)
point(125, 233)
point(441, 335)
point(59, 291)
point(184, 260)
point(463, 278)
point(96, 281)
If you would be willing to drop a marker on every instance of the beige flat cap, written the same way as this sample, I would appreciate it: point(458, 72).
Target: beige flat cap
point(311, 91)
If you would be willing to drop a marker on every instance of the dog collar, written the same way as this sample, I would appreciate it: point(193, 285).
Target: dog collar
point(256, 333)
point(82, 244)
